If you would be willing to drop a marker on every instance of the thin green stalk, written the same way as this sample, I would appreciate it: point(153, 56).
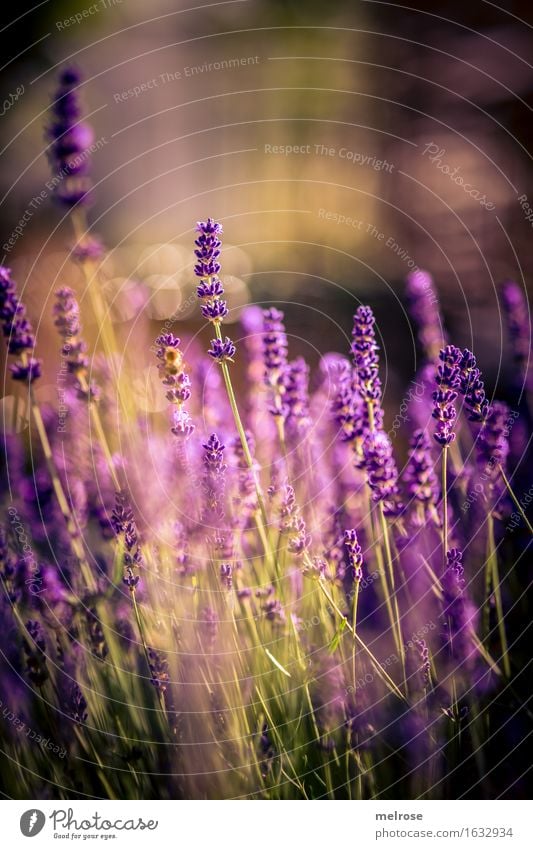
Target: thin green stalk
point(144, 644)
point(385, 677)
point(390, 567)
point(515, 500)
point(444, 503)
point(247, 453)
point(492, 566)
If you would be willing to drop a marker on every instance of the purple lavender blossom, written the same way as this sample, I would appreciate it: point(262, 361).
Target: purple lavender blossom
point(158, 670)
point(448, 380)
point(423, 307)
point(123, 523)
point(516, 310)
point(222, 350)
point(76, 705)
point(275, 349)
point(226, 575)
point(492, 443)
point(214, 479)
point(456, 609)
point(35, 651)
point(424, 665)
point(17, 330)
point(70, 142)
point(354, 554)
point(420, 480)
point(67, 320)
point(472, 387)
point(382, 473)
point(291, 523)
point(296, 396)
point(365, 357)
point(177, 381)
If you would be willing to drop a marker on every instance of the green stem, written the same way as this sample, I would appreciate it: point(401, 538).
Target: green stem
point(444, 503)
point(263, 519)
point(144, 644)
point(385, 677)
point(492, 565)
point(515, 500)
point(390, 567)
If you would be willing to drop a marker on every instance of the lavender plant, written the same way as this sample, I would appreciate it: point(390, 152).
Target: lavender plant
point(284, 604)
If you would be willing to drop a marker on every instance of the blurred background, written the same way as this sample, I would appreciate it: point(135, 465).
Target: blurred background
point(342, 144)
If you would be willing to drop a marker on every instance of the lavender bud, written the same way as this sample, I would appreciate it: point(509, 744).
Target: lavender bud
point(448, 380)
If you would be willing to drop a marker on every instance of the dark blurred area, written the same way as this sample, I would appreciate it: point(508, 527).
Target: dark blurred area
point(196, 107)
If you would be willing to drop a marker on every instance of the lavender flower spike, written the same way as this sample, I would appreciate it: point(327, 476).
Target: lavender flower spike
point(382, 473)
point(207, 252)
point(123, 523)
point(472, 387)
point(17, 330)
point(456, 609)
point(419, 477)
point(67, 320)
point(516, 311)
point(71, 142)
point(222, 350)
point(366, 366)
point(448, 380)
point(355, 556)
point(177, 381)
point(275, 349)
point(423, 307)
point(214, 481)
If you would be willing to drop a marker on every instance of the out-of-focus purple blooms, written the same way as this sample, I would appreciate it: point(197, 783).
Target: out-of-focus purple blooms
point(472, 387)
point(424, 665)
point(423, 306)
point(354, 555)
point(381, 470)
point(17, 330)
point(214, 479)
point(516, 310)
point(456, 613)
point(70, 142)
point(158, 670)
point(123, 523)
point(245, 500)
point(291, 523)
point(421, 483)
point(74, 351)
point(273, 610)
point(209, 622)
point(222, 350)
point(35, 651)
point(76, 704)
point(296, 396)
point(448, 380)
point(343, 404)
point(96, 634)
point(275, 349)
point(89, 248)
point(492, 443)
point(226, 575)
